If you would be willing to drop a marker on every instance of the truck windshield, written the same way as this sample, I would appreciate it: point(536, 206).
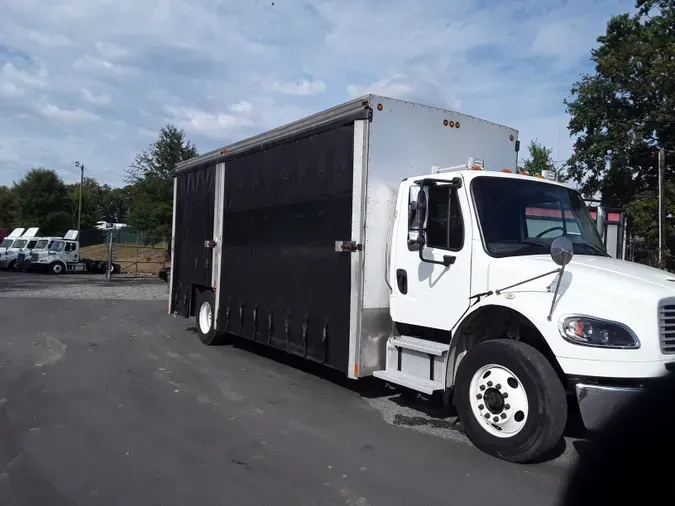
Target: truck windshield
point(20, 243)
point(6, 243)
point(56, 246)
point(41, 244)
point(522, 217)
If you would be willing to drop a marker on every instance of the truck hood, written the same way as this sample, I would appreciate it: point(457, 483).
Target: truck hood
point(584, 272)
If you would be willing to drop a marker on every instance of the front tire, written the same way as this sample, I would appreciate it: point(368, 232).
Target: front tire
point(57, 268)
point(510, 400)
point(206, 310)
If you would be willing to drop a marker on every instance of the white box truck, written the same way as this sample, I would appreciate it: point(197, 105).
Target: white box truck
point(390, 239)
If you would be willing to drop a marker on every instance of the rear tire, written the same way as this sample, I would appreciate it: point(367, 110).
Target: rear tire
point(205, 314)
point(510, 401)
point(57, 268)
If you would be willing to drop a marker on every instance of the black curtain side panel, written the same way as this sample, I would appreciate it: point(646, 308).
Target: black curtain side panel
point(282, 283)
point(195, 195)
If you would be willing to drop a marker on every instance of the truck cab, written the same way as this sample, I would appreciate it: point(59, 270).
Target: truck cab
point(9, 258)
point(502, 293)
point(61, 255)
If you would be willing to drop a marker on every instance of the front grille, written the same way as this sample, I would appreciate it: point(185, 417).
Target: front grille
point(33, 257)
point(667, 328)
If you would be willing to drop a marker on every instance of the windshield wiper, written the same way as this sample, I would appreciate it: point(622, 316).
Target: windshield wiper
point(534, 240)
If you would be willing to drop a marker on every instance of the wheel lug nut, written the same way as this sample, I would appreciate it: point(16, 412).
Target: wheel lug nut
point(505, 395)
point(498, 386)
point(495, 419)
point(489, 383)
point(480, 406)
point(479, 396)
point(503, 415)
point(487, 415)
point(482, 387)
point(507, 406)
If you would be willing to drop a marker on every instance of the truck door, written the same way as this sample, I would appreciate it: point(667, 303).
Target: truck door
point(70, 252)
point(427, 294)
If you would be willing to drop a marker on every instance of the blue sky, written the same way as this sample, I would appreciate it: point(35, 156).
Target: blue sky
point(95, 80)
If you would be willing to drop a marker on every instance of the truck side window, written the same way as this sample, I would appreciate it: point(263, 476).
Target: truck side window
point(445, 228)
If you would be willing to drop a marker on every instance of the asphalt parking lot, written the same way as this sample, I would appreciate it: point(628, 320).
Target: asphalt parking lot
point(105, 399)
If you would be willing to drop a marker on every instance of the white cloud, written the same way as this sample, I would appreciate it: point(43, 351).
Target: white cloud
point(10, 73)
point(48, 40)
point(243, 106)
point(88, 96)
point(91, 63)
point(214, 125)
point(304, 87)
point(397, 85)
point(238, 68)
point(10, 90)
point(54, 112)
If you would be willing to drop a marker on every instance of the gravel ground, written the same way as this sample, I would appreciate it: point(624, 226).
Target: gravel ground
point(81, 286)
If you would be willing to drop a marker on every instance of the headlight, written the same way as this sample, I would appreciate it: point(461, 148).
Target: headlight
point(589, 331)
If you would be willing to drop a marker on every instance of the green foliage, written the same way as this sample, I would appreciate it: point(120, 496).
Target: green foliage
point(539, 160)
point(8, 208)
point(151, 181)
point(643, 213)
point(43, 201)
point(625, 111)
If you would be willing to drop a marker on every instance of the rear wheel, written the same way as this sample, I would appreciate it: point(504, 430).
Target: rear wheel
point(510, 400)
point(206, 310)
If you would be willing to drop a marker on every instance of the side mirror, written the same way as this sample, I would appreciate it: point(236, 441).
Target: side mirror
point(417, 215)
point(601, 221)
point(562, 250)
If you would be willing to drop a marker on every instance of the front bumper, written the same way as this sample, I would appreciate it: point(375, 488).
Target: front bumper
point(34, 266)
point(598, 404)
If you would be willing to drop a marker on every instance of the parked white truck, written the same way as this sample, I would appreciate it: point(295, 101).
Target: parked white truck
point(63, 255)
point(390, 239)
point(23, 241)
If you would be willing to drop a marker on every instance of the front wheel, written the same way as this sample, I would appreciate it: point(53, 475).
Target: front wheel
point(510, 400)
point(57, 268)
point(206, 310)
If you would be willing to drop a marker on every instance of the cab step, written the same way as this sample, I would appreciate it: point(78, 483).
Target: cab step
point(421, 345)
point(409, 381)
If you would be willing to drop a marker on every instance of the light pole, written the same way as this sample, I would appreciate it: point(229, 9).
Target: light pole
point(79, 210)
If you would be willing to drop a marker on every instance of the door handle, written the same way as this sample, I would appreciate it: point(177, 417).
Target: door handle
point(402, 281)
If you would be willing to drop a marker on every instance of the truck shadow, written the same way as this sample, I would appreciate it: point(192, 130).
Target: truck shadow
point(418, 410)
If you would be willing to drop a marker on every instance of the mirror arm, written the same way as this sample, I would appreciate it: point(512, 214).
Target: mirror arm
point(498, 292)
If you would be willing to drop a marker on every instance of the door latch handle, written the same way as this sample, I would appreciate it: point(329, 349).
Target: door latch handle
point(347, 247)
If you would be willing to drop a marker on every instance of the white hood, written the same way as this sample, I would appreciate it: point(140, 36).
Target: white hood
point(601, 274)
point(601, 287)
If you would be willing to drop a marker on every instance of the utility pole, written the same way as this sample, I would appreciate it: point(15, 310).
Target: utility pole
point(79, 210)
point(662, 205)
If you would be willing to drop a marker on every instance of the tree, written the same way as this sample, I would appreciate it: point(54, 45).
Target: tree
point(539, 160)
point(625, 110)
point(92, 198)
point(115, 204)
point(8, 207)
point(151, 181)
point(43, 201)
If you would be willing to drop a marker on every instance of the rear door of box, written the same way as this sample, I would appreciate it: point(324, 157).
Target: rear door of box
point(191, 262)
point(282, 282)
